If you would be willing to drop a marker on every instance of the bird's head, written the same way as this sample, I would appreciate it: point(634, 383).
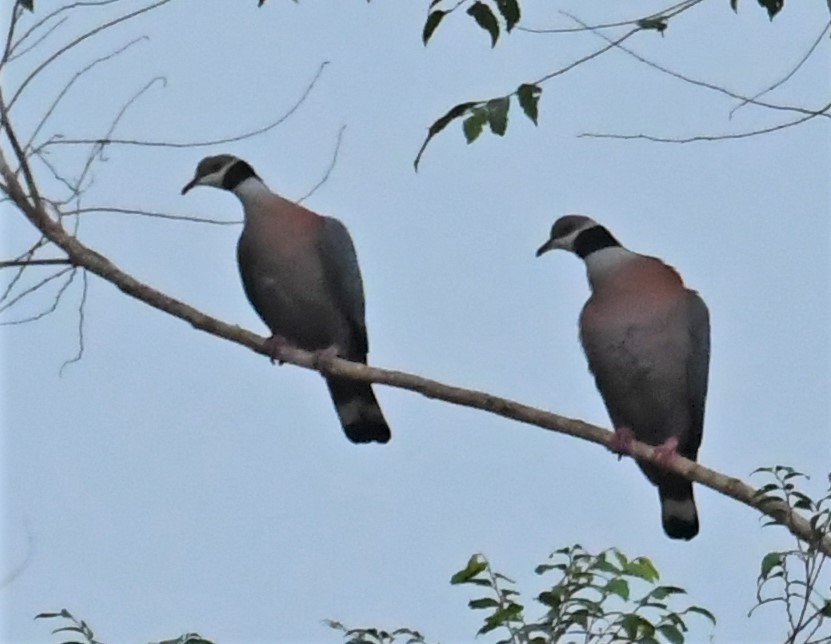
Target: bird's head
point(565, 231)
point(223, 171)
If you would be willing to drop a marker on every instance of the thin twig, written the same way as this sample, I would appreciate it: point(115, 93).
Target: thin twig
point(13, 54)
point(152, 214)
point(669, 12)
point(693, 81)
point(328, 172)
point(34, 288)
point(787, 76)
point(34, 262)
point(11, 48)
point(80, 354)
point(72, 81)
point(705, 137)
point(77, 41)
point(204, 143)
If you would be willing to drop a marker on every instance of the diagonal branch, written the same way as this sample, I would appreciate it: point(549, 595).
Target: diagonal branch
point(83, 256)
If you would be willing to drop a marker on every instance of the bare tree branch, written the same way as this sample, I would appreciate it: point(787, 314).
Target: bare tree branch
point(77, 41)
point(667, 13)
point(204, 143)
point(699, 83)
point(72, 81)
point(81, 317)
point(790, 74)
point(81, 255)
point(69, 269)
point(152, 214)
point(34, 262)
point(328, 172)
point(709, 137)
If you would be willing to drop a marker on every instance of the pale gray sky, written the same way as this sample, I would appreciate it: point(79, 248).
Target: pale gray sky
point(174, 482)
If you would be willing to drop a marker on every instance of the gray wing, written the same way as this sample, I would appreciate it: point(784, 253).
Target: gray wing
point(698, 367)
point(247, 271)
point(343, 275)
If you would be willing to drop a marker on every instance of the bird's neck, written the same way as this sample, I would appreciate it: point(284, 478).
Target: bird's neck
point(251, 191)
point(604, 263)
point(594, 239)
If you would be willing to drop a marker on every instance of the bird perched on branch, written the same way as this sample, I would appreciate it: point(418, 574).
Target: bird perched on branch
point(647, 340)
point(300, 273)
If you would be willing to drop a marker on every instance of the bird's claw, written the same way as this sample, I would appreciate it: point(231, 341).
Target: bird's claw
point(274, 346)
point(621, 442)
point(666, 452)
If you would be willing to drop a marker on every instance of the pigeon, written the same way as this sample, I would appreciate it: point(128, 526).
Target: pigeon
point(647, 341)
point(300, 273)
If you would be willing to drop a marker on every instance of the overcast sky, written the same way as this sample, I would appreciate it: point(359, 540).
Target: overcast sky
point(171, 481)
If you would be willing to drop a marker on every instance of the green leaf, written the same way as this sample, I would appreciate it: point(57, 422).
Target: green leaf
point(702, 611)
point(619, 587)
point(484, 17)
point(659, 24)
point(498, 114)
point(773, 7)
point(529, 97)
point(642, 568)
point(475, 565)
point(482, 602)
point(665, 591)
point(733, 5)
point(550, 598)
point(441, 123)
point(28, 4)
point(672, 634)
point(510, 12)
point(431, 23)
point(825, 611)
point(500, 617)
point(770, 561)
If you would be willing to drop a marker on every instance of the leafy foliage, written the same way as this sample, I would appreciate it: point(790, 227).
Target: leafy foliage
point(506, 14)
point(797, 579)
point(82, 629)
point(376, 636)
point(773, 6)
point(603, 599)
point(493, 111)
point(482, 13)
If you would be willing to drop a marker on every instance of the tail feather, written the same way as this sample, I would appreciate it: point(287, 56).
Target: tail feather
point(678, 512)
point(358, 410)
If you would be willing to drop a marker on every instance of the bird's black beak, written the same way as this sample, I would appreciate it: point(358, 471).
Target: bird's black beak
point(547, 246)
point(190, 184)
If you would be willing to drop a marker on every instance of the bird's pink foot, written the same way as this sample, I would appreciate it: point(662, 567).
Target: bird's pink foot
point(622, 441)
point(666, 452)
point(323, 359)
point(274, 348)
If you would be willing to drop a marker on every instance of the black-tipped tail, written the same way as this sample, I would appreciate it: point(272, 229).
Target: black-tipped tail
point(358, 410)
point(678, 512)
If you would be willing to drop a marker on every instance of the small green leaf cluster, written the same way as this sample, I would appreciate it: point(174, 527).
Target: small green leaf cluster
point(74, 626)
point(772, 6)
point(481, 12)
point(82, 629)
point(375, 635)
point(797, 579)
point(493, 112)
point(603, 598)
